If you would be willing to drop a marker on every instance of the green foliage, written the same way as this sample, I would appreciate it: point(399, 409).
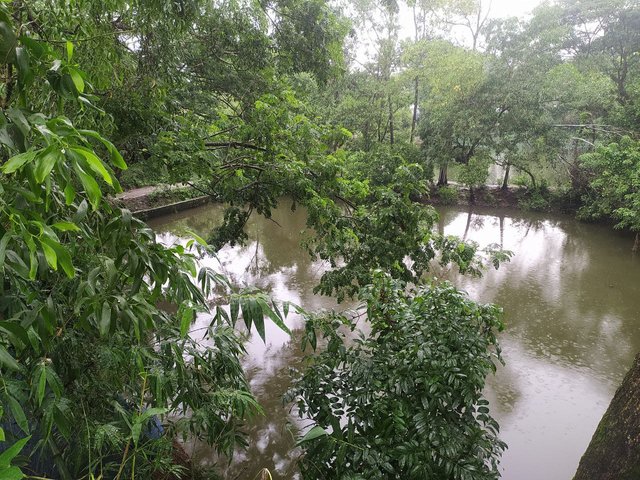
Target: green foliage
point(535, 198)
point(614, 187)
point(475, 172)
point(7, 457)
point(405, 400)
point(448, 195)
point(96, 315)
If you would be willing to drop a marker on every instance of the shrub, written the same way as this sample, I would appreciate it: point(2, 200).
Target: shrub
point(404, 401)
point(448, 195)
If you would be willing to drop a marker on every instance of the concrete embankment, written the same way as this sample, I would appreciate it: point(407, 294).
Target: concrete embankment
point(155, 201)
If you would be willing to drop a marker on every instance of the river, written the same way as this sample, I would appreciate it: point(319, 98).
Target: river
point(571, 302)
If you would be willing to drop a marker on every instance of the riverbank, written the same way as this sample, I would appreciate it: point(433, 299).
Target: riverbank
point(155, 201)
point(515, 197)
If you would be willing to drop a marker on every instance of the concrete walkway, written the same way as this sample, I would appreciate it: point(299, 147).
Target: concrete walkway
point(146, 191)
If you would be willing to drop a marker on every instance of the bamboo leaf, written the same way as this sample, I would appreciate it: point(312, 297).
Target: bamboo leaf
point(186, 318)
point(105, 319)
point(94, 163)
point(11, 473)
point(90, 186)
point(18, 414)
point(234, 308)
point(273, 315)
point(10, 453)
point(42, 383)
point(50, 255)
point(258, 317)
point(3, 246)
point(7, 360)
point(66, 226)
point(64, 259)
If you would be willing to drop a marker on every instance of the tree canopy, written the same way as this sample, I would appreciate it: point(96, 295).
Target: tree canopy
point(257, 103)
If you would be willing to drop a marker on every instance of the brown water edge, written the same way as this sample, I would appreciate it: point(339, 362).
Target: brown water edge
point(572, 313)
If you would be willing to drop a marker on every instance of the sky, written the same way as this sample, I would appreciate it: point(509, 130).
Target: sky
point(512, 8)
point(498, 9)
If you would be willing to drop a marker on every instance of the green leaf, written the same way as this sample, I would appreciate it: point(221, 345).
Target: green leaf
point(271, 313)
point(186, 318)
point(33, 264)
point(197, 238)
point(69, 46)
point(95, 163)
point(3, 246)
point(25, 75)
point(19, 120)
point(12, 452)
point(90, 186)
point(64, 259)
point(315, 432)
point(8, 43)
point(88, 103)
point(136, 429)
point(11, 473)
point(62, 422)
point(77, 79)
point(258, 317)
point(65, 226)
point(50, 255)
point(7, 360)
point(45, 163)
point(18, 414)
point(116, 158)
point(36, 49)
point(17, 161)
point(234, 308)
point(14, 328)
point(105, 319)
point(69, 194)
point(150, 412)
point(42, 383)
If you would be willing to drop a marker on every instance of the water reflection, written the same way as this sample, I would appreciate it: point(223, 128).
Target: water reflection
point(570, 297)
point(571, 302)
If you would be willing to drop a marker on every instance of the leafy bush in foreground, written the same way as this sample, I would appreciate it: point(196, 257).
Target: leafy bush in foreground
point(405, 400)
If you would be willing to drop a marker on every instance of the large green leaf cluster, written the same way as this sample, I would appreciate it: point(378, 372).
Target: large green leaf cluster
point(403, 400)
point(95, 314)
point(614, 189)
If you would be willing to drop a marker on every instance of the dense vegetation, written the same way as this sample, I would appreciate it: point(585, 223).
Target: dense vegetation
point(252, 103)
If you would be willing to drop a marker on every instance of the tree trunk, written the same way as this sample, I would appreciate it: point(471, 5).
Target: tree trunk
point(468, 225)
point(414, 120)
point(442, 177)
point(505, 182)
point(614, 451)
point(391, 132)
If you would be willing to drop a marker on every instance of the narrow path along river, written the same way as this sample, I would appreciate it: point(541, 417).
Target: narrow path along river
point(571, 298)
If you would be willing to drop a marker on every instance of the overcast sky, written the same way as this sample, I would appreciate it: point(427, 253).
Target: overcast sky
point(512, 8)
point(498, 9)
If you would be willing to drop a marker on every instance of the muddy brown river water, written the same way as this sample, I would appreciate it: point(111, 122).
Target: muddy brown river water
point(571, 298)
